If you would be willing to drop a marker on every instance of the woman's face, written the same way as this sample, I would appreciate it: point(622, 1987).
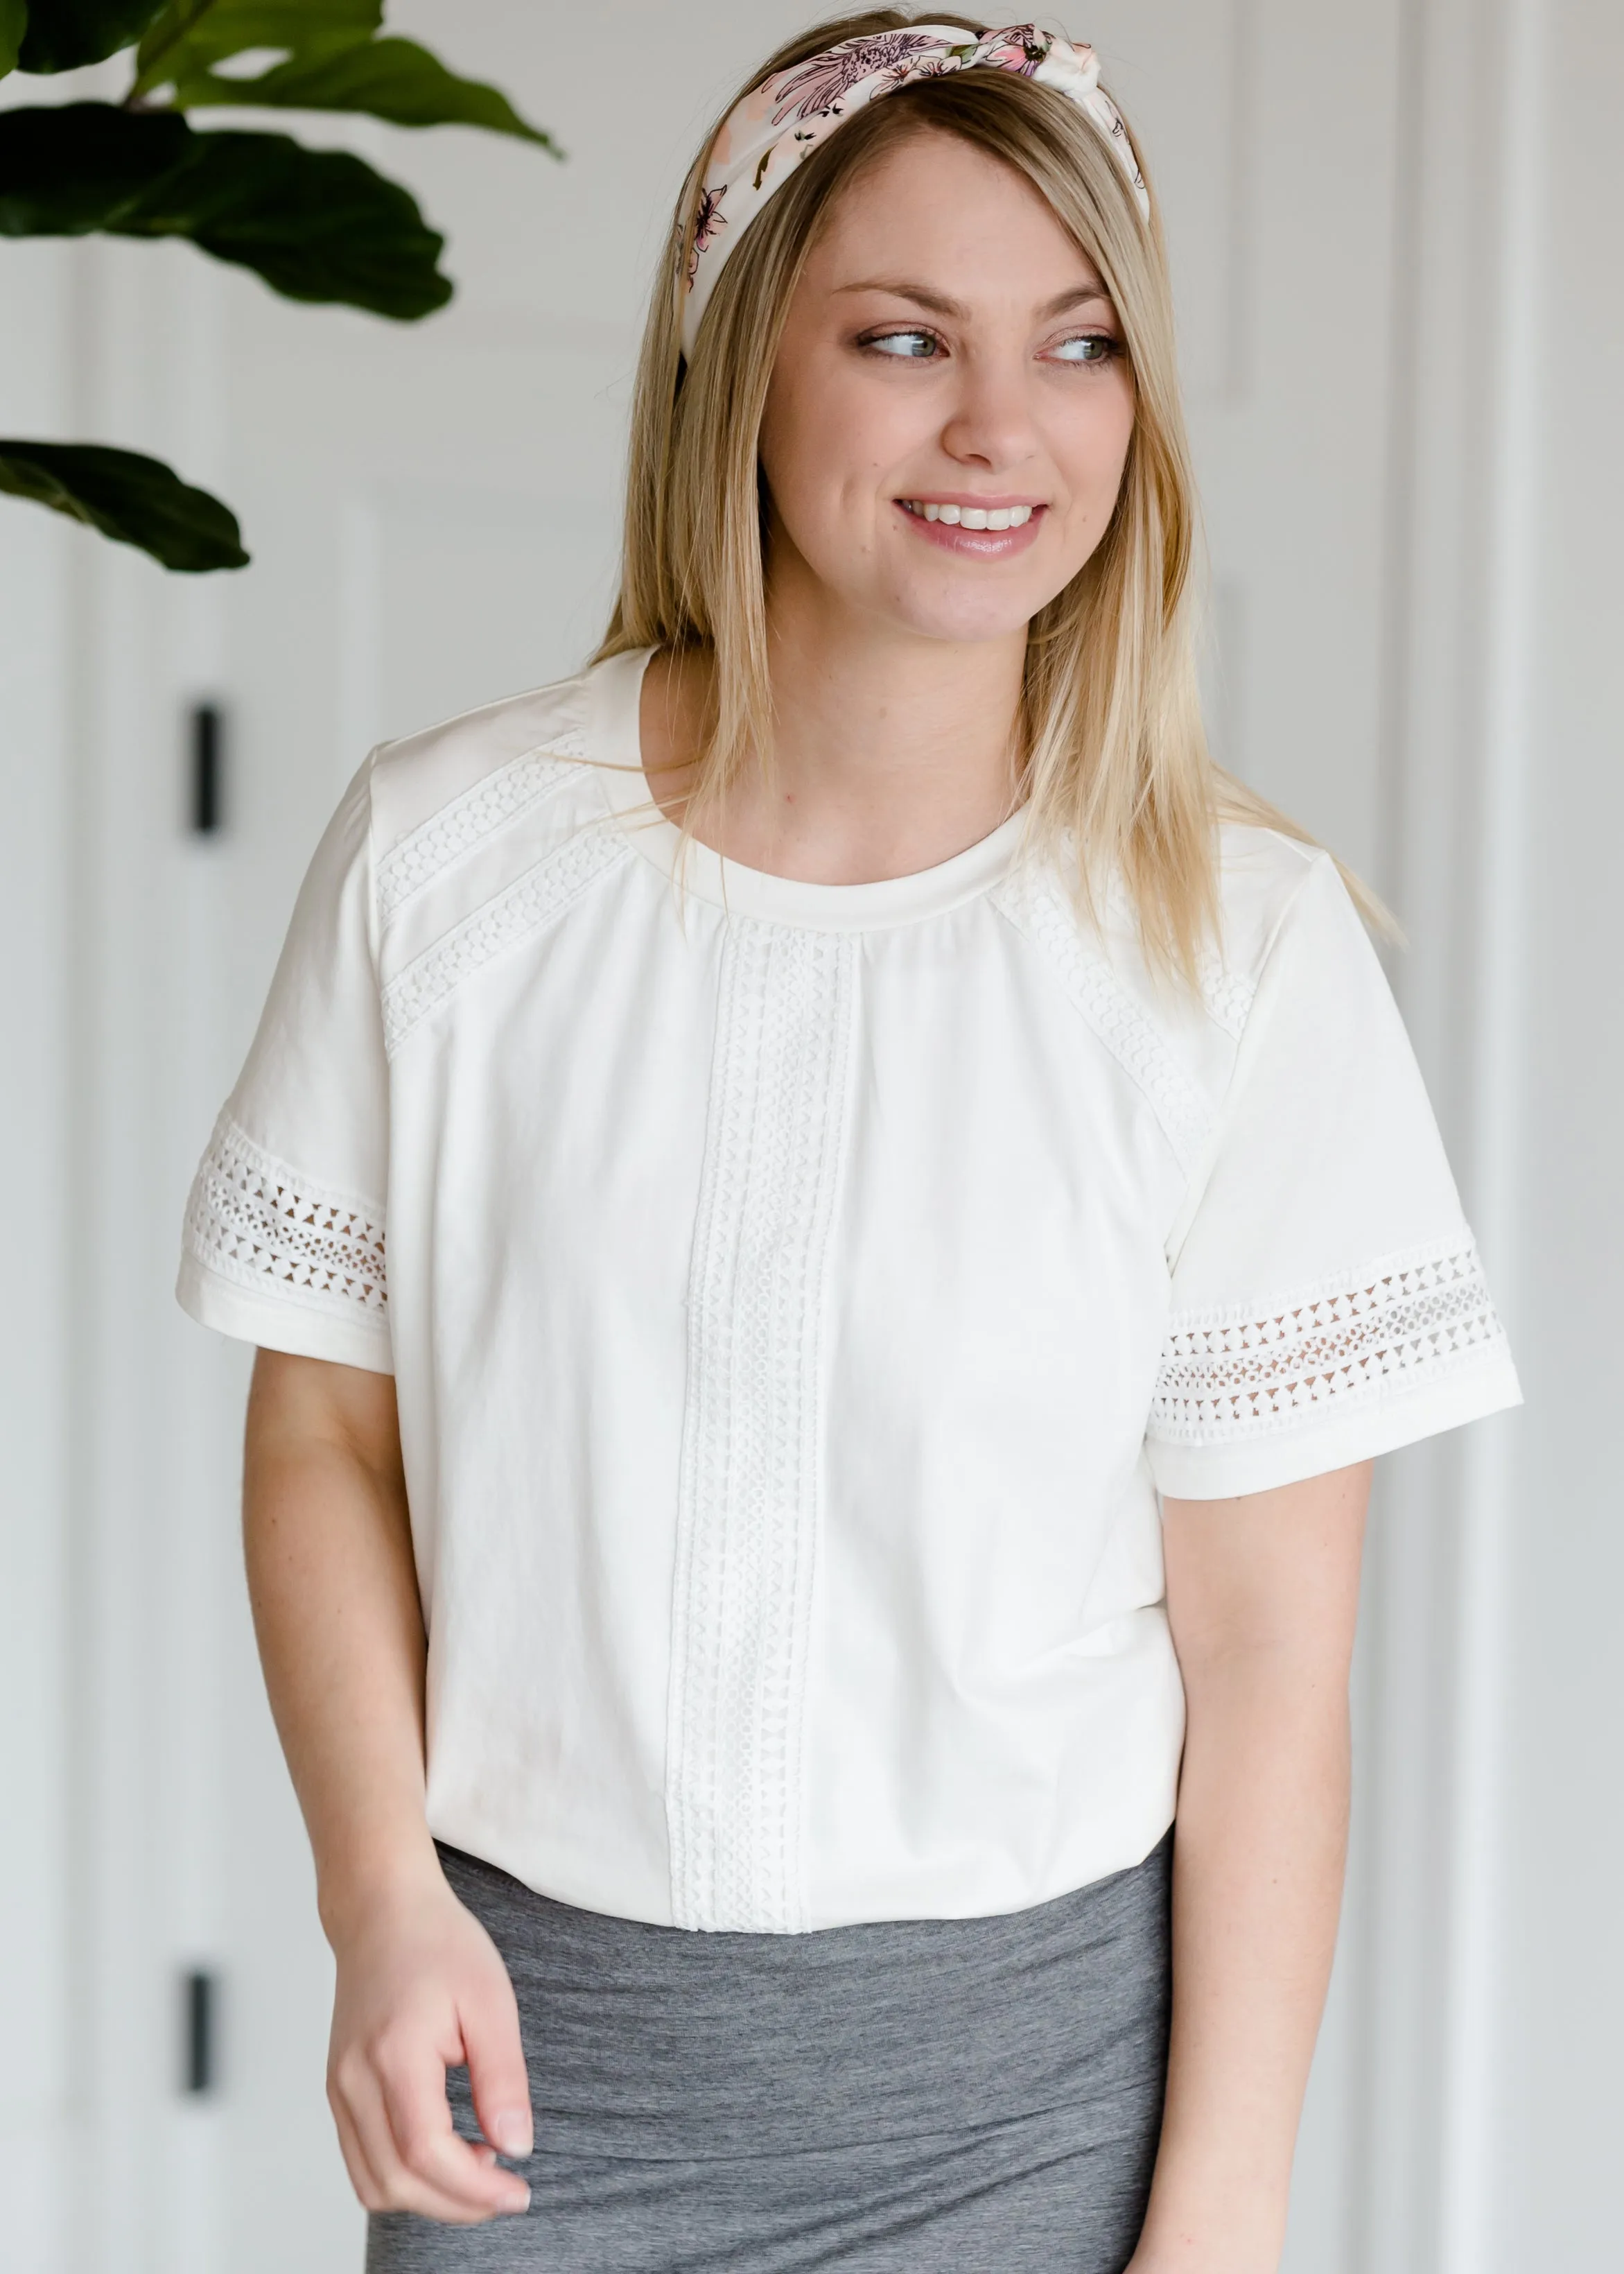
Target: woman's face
point(949, 354)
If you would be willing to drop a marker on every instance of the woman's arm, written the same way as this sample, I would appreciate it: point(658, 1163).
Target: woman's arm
point(420, 1986)
point(1262, 1595)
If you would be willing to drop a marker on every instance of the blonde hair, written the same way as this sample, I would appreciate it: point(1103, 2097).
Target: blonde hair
point(1116, 765)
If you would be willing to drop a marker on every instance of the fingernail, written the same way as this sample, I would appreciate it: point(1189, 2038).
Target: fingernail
point(523, 2204)
point(511, 2132)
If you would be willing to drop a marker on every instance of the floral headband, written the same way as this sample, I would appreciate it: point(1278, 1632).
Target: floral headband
point(764, 137)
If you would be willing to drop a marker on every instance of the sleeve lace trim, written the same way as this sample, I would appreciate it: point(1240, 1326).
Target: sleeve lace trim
point(254, 1221)
point(1256, 1370)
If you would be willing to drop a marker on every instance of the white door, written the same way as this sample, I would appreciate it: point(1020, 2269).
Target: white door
point(432, 513)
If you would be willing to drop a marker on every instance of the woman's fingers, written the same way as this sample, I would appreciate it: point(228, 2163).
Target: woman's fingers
point(397, 2106)
point(363, 2178)
point(496, 2071)
point(413, 2080)
point(421, 1989)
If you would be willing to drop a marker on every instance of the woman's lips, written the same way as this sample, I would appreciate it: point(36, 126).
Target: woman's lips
point(978, 543)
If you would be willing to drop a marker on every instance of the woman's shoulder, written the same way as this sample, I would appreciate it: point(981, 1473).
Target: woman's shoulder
point(1181, 1044)
point(1261, 876)
point(497, 775)
point(1261, 873)
point(417, 776)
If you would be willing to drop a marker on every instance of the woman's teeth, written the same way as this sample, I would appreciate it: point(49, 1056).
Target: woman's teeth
point(971, 516)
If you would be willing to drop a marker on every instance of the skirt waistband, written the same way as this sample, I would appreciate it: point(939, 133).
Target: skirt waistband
point(657, 2041)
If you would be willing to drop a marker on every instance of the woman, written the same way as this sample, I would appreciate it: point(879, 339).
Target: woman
point(910, 1214)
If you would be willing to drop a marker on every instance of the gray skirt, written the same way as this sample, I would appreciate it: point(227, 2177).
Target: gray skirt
point(982, 2096)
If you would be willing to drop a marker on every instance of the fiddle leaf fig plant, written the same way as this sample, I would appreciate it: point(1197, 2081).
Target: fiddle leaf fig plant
point(311, 58)
point(315, 225)
point(13, 23)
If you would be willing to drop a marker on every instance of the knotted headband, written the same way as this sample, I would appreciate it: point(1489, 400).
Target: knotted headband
point(780, 122)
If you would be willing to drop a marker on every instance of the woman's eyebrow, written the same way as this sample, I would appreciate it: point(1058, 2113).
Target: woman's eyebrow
point(939, 303)
point(1078, 297)
point(921, 294)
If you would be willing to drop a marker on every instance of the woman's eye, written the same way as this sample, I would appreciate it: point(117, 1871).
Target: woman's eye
point(916, 344)
point(1087, 347)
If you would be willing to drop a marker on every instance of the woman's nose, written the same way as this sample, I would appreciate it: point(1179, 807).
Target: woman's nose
point(991, 422)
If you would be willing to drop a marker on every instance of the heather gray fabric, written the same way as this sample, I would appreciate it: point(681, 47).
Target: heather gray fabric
point(935, 2097)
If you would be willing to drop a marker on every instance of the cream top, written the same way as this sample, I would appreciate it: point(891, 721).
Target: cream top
point(799, 1295)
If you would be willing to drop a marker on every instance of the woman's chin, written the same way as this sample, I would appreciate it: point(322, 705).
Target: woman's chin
point(963, 619)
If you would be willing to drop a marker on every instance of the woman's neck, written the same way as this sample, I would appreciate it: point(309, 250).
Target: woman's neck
point(892, 753)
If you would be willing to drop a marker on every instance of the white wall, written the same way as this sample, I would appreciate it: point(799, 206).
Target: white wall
point(1404, 318)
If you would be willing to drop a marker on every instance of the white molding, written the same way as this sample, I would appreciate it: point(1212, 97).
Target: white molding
point(119, 2021)
point(1472, 2046)
point(144, 1895)
point(36, 1336)
point(1459, 628)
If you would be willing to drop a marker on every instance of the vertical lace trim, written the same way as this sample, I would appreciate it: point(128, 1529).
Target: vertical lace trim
point(501, 797)
point(750, 1485)
point(537, 897)
point(1039, 909)
point(255, 1220)
point(1235, 1376)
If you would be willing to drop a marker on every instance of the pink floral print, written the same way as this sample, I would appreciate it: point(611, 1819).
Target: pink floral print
point(1017, 48)
point(708, 219)
point(813, 89)
point(780, 122)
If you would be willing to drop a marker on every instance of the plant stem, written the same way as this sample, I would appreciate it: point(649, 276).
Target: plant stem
point(182, 27)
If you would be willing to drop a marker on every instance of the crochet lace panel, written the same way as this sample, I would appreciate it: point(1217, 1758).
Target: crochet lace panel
point(534, 899)
point(253, 1220)
point(1253, 1371)
point(750, 1484)
point(489, 805)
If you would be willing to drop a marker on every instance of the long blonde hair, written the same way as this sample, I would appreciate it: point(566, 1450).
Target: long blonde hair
point(1116, 765)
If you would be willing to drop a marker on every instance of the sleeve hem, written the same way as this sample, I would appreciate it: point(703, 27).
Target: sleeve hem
point(276, 1323)
point(1223, 1471)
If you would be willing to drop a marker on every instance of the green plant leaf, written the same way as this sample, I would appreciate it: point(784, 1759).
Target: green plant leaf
point(13, 24)
point(68, 169)
point(389, 79)
point(190, 36)
point(61, 34)
point(134, 500)
point(314, 224)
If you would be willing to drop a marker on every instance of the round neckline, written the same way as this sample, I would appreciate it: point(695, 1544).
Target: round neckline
point(615, 690)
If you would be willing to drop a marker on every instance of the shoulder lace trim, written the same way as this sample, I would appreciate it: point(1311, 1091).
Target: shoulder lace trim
point(1039, 909)
point(542, 894)
point(488, 806)
point(1246, 1373)
point(1228, 995)
point(253, 1220)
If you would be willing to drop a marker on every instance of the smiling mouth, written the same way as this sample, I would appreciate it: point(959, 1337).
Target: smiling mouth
point(970, 516)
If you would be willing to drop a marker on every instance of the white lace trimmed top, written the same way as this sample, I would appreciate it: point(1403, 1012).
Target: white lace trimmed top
point(799, 1295)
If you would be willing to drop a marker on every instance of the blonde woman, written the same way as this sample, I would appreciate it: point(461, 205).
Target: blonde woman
point(910, 1214)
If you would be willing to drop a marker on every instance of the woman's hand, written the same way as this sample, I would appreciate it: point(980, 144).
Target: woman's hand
point(421, 1989)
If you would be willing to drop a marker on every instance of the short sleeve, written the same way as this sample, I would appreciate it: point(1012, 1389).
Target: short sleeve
point(283, 1243)
point(1327, 1301)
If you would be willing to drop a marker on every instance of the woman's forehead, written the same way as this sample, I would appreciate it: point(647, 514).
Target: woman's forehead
point(934, 208)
